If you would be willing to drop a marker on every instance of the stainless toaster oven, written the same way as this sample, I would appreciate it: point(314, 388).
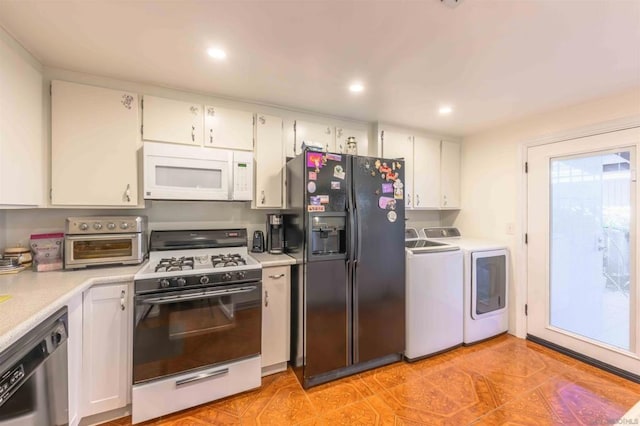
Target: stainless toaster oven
point(104, 240)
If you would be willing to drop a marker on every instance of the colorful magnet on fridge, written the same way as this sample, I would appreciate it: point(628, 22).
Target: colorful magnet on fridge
point(338, 172)
point(335, 184)
point(314, 200)
point(324, 199)
point(392, 176)
point(387, 188)
point(316, 160)
point(313, 176)
point(313, 209)
point(392, 216)
point(334, 157)
point(311, 187)
point(377, 164)
point(384, 201)
point(398, 192)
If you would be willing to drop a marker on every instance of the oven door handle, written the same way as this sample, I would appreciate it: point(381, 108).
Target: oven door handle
point(100, 237)
point(205, 295)
point(201, 376)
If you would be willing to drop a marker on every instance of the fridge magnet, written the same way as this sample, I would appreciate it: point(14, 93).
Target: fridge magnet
point(334, 157)
point(387, 188)
point(377, 164)
point(367, 165)
point(398, 192)
point(314, 200)
point(387, 203)
point(311, 187)
point(313, 176)
point(392, 216)
point(392, 176)
point(398, 165)
point(393, 165)
point(315, 159)
point(338, 172)
point(315, 209)
point(324, 199)
point(335, 184)
point(373, 172)
point(384, 169)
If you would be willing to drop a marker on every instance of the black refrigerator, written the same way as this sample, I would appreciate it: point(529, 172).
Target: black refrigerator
point(345, 227)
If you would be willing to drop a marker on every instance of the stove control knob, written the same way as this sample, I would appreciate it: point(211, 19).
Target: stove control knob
point(204, 279)
point(164, 283)
point(97, 226)
point(241, 275)
point(111, 226)
point(181, 282)
point(124, 225)
point(226, 277)
point(83, 226)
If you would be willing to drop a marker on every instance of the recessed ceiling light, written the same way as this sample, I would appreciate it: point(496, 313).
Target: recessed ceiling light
point(356, 87)
point(444, 110)
point(217, 53)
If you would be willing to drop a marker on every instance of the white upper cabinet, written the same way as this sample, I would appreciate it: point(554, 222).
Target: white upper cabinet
point(269, 158)
point(450, 175)
point(94, 143)
point(166, 120)
point(400, 145)
point(314, 134)
point(361, 141)
point(21, 142)
point(228, 128)
point(426, 178)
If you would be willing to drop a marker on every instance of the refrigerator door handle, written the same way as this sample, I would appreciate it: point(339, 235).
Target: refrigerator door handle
point(349, 312)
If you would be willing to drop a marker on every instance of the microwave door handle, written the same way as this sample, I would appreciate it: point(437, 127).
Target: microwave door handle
point(206, 295)
point(100, 237)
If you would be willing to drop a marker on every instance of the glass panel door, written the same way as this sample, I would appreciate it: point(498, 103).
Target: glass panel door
point(582, 247)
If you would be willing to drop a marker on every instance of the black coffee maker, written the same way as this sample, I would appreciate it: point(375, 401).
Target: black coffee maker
point(275, 234)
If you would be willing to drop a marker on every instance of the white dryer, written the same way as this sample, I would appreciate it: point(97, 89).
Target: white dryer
point(486, 283)
point(434, 296)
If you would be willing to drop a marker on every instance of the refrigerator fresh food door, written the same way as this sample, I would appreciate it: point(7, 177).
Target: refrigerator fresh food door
point(379, 258)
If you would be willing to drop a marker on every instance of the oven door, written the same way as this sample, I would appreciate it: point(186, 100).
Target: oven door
point(179, 331)
point(103, 249)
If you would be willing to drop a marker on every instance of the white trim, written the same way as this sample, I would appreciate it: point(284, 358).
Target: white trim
point(521, 255)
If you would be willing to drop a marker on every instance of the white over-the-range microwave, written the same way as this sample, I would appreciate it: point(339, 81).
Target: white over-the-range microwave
point(183, 172)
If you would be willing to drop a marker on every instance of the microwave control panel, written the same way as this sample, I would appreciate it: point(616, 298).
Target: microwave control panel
point(242, 176)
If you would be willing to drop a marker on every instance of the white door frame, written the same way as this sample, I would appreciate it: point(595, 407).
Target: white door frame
point(520, 282)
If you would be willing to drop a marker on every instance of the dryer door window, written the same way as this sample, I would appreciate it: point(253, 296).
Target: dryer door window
point(489, 282)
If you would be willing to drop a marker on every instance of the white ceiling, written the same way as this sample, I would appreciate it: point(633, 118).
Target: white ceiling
point(494, 61)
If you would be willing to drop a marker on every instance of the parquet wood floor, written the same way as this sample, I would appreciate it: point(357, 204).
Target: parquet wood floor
point(503, 381)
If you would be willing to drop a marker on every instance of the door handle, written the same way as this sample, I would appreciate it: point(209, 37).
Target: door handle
point(275, 277)
point(122, 294)
point(266, 298)
point(202, 376)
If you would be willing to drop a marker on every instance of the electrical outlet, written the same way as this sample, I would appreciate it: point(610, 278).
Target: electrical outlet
point(511, 228)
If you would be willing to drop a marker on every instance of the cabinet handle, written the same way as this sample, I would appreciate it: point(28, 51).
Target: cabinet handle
point(328, 131)
point(417, 199)
point(122, 293)
point(409, 199)
point(341, 148)
point(262, 119)
point(275, 277)
point(266, 298)
point(263, 198)
point(327, 147)
point(338, 133)
point(210, 135)
point(127, 193)
point(193, 133)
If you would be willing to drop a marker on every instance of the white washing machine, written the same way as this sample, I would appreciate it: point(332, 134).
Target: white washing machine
point(486, 283)
point(434, 296)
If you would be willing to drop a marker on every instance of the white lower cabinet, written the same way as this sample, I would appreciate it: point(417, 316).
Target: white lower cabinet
point(276, 318)
point(106, 347)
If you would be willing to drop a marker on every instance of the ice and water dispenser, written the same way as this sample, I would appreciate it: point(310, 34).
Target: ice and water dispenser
point(328, 235)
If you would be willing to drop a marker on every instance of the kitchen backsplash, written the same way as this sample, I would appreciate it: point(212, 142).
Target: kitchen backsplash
point(17, 225)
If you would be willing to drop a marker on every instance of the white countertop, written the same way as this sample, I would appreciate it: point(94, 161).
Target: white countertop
point(36, 295)
point(268, 259)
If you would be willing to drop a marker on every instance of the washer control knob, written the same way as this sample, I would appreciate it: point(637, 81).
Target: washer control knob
point(164, 283)
point(124, 225)
point(226, 276)
point(83, 226)
point(181, 282)
point(97, 226)
point(204, 279)
point(111, 226)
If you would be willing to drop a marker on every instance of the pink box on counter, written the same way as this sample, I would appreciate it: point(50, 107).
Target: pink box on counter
point(46, 250)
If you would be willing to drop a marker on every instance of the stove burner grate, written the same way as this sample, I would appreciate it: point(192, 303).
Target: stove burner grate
point(227, 260)
point(175, 264)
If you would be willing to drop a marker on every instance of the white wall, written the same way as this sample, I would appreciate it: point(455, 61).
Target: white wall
point(492, 178)
point(2, 230)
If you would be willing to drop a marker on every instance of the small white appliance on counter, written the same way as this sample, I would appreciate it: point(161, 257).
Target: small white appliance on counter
point(434, 296)
point(197, 321)
point(182, 172)
point(486, 283)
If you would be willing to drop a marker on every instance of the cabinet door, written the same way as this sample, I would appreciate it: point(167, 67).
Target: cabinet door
point(106, 371)
point(94, 143)
point(276, 305)
point(314, 134)
point(74, 358)
point(362, 142)
point(450, 175)
point(228, 128)
point(21, 142)
point(400, 145)
point(426, 177)
point(166, 120)
point(269, 162)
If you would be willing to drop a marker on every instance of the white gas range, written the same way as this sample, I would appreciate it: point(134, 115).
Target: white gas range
point(197, 321)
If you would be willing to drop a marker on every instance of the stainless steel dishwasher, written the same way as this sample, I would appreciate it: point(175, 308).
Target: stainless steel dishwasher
point(33, 376)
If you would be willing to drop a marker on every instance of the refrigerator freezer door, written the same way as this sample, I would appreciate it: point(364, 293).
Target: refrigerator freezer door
point(326, 187)
point(379, 282)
